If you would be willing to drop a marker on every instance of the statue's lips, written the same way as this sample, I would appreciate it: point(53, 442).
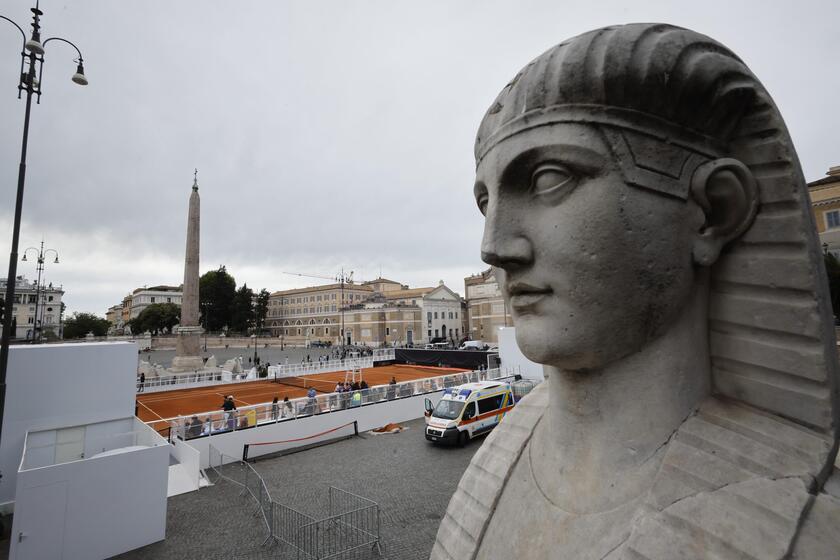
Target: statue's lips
point(524, 296)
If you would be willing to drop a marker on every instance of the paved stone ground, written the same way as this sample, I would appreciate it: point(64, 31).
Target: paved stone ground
point(410, 479)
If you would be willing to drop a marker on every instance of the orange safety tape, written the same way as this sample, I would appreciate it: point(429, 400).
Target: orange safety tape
point(302, 438)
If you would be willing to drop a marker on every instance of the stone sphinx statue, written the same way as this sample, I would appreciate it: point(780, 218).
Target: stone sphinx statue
point(648, 220)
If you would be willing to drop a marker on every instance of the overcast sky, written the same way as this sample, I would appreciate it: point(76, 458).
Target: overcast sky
point(326, 134)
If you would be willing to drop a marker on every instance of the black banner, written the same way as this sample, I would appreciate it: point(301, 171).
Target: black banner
point(467, 359)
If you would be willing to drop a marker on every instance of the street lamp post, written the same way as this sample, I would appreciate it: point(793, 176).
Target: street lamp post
point(31, 70)
point(36, 334)
point(206, 307)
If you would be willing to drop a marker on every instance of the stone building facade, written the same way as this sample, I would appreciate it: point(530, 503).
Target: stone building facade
point(141, 298)
point(486, 308)
point(24, 311)
point(825, 203)
point(376, 312)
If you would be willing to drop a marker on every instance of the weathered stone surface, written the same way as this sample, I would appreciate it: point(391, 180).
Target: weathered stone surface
point(187, 346)
point(819, 537)
point(650, 227)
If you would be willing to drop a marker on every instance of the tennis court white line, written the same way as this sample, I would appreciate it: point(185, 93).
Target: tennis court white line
point(150, 410)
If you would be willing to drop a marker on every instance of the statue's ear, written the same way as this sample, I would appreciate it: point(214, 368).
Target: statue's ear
point(726, 191)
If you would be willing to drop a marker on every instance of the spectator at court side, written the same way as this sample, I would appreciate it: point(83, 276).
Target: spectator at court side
point(142, 382)
point(193, 427)
point(392, 388)
point(335, 395)
point(354, 386)
point(275, 409)
point(287, 407)
point(206, 426)
point(312, 403)
point(363, 385)
point(357, 399)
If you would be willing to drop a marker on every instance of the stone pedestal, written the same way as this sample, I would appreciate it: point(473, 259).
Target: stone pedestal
point(188, 350)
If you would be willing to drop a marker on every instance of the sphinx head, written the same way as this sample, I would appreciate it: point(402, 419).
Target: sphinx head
point(606, 177)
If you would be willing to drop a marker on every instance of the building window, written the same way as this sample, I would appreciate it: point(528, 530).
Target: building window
point(456, 314)
point(387, 331)
point(298, 332)
point(32, 299)
point(169, 300)
point(50, 298)
point(153, 299)
point(429, 315)
point(456, 333)
point(430, 333)
point(832, 219)
point(450, 315)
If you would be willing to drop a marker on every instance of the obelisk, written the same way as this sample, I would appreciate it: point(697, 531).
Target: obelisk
point(187, 354)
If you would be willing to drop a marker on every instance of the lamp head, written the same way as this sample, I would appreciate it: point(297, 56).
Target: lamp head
point(24, 257)
point(34, 45)
point(56, 259)
point(79, 77)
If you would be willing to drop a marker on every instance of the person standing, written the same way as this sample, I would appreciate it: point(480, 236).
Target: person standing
point(229, 406)
point(142, 381)
point(275, 409)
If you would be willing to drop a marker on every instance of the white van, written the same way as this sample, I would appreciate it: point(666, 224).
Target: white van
point(467, 411)
point(472, 345)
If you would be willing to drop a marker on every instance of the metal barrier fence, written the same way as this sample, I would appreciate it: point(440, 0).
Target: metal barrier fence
point(353, 522)
point(174, 381)
point(217, 422)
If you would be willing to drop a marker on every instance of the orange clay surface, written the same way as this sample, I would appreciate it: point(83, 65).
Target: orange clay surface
point(181, 402)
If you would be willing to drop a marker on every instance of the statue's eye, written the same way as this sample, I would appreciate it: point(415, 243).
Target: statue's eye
point(552, 178)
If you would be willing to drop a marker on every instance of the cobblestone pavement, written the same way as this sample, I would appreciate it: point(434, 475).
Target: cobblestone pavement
point(410, 479)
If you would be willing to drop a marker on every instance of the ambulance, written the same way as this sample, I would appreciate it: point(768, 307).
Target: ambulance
point(467, 411)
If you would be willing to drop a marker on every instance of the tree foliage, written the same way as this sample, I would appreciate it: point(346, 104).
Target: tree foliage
point(79, 324)
point(242, 313)
point(156, 318)
point(216, 290)
point(262, 309)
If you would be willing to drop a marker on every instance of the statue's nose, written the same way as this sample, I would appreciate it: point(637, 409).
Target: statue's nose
point(505, 243)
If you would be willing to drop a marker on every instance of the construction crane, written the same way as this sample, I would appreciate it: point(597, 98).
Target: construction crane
point(342, 278)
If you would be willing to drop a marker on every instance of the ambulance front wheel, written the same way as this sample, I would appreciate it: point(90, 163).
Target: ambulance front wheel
point(463, 438)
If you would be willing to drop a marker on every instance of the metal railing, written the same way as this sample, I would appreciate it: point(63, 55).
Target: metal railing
point(208, 424)
point(170, 382)
point(352, 521)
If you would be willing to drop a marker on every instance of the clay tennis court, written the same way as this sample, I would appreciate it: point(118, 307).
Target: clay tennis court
point(181, 402)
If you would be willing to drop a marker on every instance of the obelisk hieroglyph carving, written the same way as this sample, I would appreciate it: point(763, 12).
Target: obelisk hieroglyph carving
point(187, 355)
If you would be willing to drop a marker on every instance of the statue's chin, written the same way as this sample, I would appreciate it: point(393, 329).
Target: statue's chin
point(562, 354)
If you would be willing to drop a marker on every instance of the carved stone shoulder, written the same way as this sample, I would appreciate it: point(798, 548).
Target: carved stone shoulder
point(479, 490)
point(735, 483)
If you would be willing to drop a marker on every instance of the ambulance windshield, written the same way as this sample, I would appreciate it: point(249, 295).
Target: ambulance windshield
point(450, 410)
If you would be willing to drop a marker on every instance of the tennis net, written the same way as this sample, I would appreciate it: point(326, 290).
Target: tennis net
point(305, 382)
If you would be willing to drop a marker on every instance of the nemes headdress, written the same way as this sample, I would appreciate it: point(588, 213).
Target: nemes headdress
point(667, 100)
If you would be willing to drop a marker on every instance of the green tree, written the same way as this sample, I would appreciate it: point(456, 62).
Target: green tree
point(79, 324)
point(156, 318)
point(216, 290)
point(262, 309)
point(242, 313)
